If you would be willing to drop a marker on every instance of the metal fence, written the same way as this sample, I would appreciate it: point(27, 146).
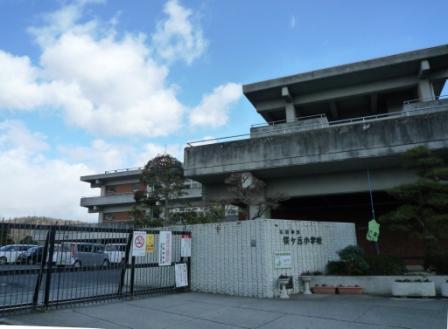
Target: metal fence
point(44, 266)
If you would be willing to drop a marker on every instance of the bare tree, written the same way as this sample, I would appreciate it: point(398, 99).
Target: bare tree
point(249, 191)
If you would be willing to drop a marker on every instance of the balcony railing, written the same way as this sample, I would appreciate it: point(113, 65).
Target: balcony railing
point(440, 104)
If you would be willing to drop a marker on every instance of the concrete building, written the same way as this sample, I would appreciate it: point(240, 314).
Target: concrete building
point(117, 195)
point(326, 129)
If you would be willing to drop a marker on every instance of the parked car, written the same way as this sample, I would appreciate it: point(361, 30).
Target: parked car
point(79, 254)
point(32, 256)
point(116, 252)
point(9, 253)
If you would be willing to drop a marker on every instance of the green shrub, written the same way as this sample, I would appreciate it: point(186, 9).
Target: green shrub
point(437, 261)
point(385, 265)
point(336, 268)
point(355, 261)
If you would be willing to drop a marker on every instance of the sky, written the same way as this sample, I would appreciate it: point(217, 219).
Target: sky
point(93, 85)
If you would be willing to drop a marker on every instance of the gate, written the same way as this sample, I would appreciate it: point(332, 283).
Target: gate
point(44, 266)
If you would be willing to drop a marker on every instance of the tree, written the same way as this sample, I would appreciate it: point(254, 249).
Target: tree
point(164, 178)
point(28, 240)
point(5, 237)
point(249, 191)
point(423, 210)
point(211, 214)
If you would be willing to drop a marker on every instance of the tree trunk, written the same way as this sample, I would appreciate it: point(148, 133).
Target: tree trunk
point(166, 212)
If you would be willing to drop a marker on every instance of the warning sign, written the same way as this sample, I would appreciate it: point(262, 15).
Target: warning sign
point(149, 243)
point(139, 243)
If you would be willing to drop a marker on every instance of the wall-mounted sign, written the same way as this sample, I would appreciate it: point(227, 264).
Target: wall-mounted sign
point(294, 237)
point(282, 260)
point(139, 243)
point(185, 245)
point(149, 243)
point(165, 248)
point(181, 273)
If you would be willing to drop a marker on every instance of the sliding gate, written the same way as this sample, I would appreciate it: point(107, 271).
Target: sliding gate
point(88, 263)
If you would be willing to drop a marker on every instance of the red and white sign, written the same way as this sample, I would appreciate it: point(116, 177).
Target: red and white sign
point(139, 243)
point(185, 245)
point(165, 248)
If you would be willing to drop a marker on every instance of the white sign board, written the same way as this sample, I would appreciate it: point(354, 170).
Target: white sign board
point(282, 260)
point(165, 248)
point(139, 243)
point(181, 275)
point(185, 245)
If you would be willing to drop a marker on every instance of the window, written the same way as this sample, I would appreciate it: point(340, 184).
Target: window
point(110, 190)
point(111, 247)
point(84, 248)
point(98, 249)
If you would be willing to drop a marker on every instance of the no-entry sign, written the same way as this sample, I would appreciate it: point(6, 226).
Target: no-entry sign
point(139, 243)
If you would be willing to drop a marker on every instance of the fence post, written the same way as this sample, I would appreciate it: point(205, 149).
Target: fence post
point(132, 276)
point(125, 265)
point(52, 235)
point(41, 271)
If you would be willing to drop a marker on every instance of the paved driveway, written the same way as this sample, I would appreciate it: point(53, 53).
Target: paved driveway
point(197, 310)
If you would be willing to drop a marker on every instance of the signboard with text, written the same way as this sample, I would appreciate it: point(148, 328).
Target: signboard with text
point(282, 260)
point(165, 248)
point(149, 243)
point(185, 245)
point(181, 274)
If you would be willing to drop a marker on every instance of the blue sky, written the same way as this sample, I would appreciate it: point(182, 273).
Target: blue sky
point(90, 85)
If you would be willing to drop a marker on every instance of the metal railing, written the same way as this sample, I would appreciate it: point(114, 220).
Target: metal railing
point(44, 266)
point(418, 100)
point(303, 118)
point(122, 170)
point(335, 123)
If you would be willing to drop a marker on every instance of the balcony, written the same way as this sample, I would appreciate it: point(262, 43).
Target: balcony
point(380, 136)
point(94, 203)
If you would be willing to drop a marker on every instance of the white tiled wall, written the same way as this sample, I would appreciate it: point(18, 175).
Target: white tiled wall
point(237, 258)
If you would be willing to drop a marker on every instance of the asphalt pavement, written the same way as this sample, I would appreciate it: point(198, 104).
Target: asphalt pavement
point(18, 282)
point(198, 310)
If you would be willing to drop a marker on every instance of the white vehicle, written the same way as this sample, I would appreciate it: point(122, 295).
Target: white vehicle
point(116, 252)
point(9, 253)
point(80, 254)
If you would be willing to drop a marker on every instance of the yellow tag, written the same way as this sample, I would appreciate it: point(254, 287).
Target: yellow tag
point(149, 243)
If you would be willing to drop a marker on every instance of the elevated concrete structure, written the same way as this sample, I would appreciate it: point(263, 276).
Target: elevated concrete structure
point(325, 129)
point(364, 88)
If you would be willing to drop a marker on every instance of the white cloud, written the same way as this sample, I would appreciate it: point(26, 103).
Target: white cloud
point(109, 85)
point(104, 84)
point(177, 37)
point(38, 185)
point(100, 155)
point(14, 135)
point(214, 108)
point(151, 150)
point(18, 87)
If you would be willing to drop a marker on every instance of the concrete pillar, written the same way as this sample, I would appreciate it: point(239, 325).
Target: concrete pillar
point(425, 90)
point(290, 112)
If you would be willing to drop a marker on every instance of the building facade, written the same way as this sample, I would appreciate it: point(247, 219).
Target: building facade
point(327, 132)
point(117, 190)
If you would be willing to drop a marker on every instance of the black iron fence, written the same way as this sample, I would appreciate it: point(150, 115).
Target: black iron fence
point(49, 265)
